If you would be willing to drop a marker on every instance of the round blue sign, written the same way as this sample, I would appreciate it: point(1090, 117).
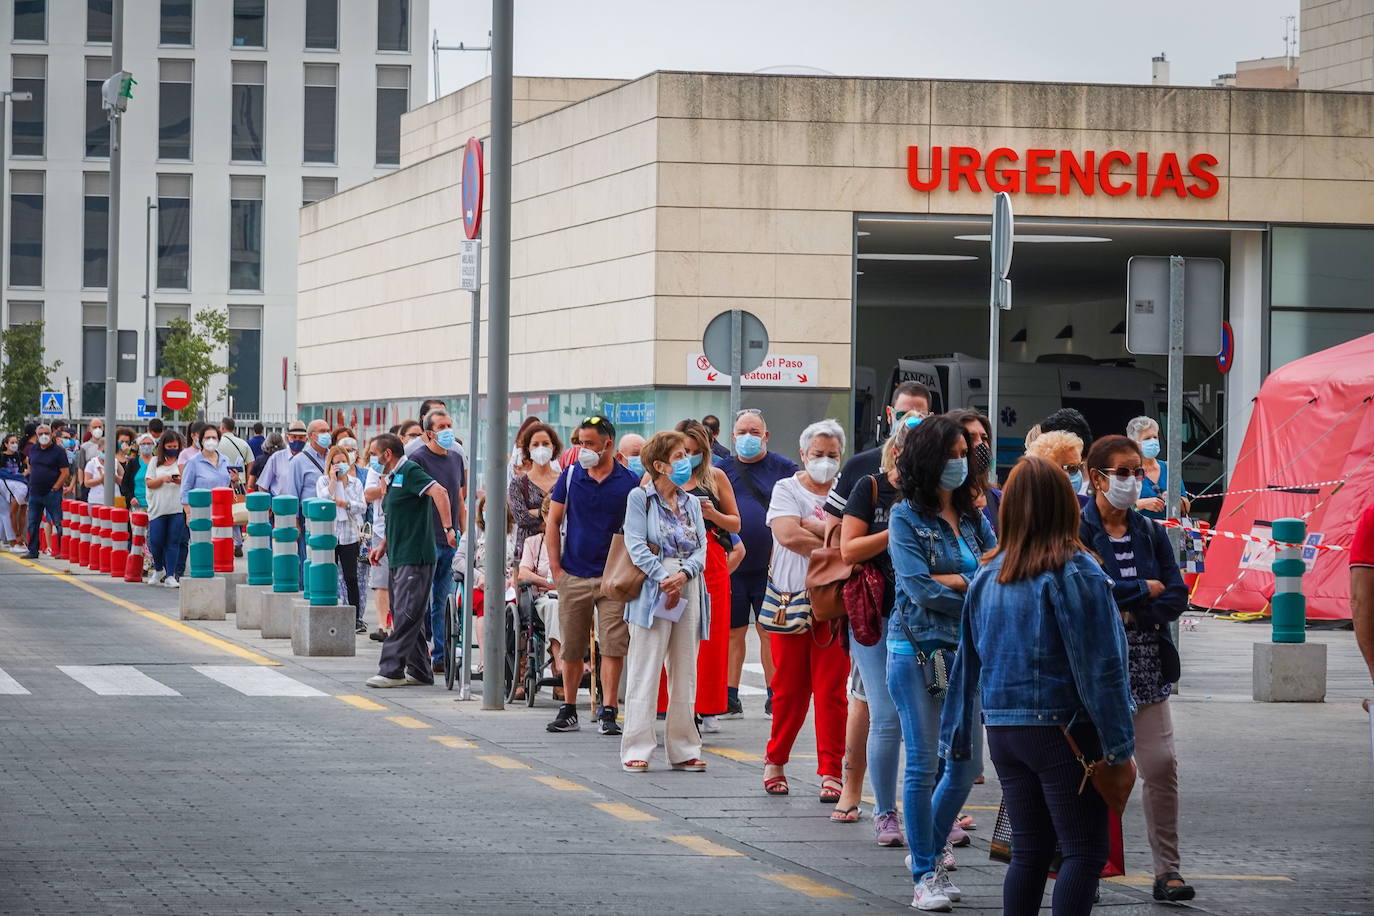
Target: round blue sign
point(472, 186)
point(1227, 355)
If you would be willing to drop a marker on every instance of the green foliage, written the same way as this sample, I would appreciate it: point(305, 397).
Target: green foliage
point(189, 354)
point(24, 375)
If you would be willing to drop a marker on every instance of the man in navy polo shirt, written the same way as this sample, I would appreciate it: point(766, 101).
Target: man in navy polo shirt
point(48, 472)
point(587, 508)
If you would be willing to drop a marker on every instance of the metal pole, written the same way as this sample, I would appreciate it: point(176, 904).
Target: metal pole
point(736, 363)
point(498, 352)
point(469, 561)
point(994, 357)
point(4, 202)
point(148, 291)
point(112, 299)
point(1174, 434)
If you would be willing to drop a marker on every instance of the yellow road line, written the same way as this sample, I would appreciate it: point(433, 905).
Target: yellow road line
point(806, 886)
point(505, 763)
point(407, 721)
point(352, 699)
point(704, 846)
point(458, 744)
point(624, 812)
point(1147, 880)
point(223, 645)
point(559, 783)
point(729, 753)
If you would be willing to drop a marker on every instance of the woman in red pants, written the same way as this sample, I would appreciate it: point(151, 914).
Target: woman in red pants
point(710, 485)
point(814, 663)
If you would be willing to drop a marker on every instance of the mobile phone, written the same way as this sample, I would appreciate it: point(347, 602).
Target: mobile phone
point(702, 498)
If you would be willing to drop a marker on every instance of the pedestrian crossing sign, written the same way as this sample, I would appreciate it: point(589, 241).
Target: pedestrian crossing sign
point(50, 404)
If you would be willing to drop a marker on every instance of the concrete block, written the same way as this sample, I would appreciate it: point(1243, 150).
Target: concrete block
point(276, 614)
point(322, 630)
point(233, 580)
point(250, 600)
point(1290, 672)
point(202, 599)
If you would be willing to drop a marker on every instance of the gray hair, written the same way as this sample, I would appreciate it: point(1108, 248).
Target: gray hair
point(428, 422)
point(1136, 428)
point(830, 428)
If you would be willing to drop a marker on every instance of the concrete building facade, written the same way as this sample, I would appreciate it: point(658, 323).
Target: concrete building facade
point(1337, 42)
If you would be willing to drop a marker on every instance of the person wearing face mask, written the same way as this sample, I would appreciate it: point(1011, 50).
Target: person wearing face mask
point(1064, 450)
point(238, 451)
point(275, 475)
point(443, 462)
point(533, 570)
point(935, 536)
point(208, 469)
point(133, 484)
point(303, 470)
point(533, 480)
point(628, 452)
point(168, 535)
point(813, 663)
point(980, 461)
point(49, 469)
point(270, 446)
point(342, 486)
point(665, 536)
point(1150, 594)
point(378, 573)
point(1144, 431)
point(14, 496)
point(93, 474)
point(753, 471)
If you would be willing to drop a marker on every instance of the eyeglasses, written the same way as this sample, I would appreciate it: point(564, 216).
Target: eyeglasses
point(749, 410)
point(1072, 469)
point(1122, 473)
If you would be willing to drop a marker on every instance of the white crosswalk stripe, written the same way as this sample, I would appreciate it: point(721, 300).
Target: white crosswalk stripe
point(256, 681)
point(9, 685)
point(117, 681)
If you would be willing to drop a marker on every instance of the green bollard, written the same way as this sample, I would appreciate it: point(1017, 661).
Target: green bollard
point(286, 568)
point(322, 575)
point(1289, 606)
point(258, 539)
point(201, 555)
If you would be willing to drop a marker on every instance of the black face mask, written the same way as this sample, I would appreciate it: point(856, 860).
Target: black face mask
point(982, 459)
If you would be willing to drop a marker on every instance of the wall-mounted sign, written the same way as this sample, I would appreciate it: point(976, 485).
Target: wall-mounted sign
point(1115, 173)
point(778, 370)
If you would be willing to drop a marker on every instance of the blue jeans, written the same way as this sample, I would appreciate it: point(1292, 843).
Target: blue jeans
point(168, 538)
point(884, 726)
point(51, 503)
point(930, 800)
point(438, 599)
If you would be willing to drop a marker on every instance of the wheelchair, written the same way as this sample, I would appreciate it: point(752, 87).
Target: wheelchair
point(453, 642)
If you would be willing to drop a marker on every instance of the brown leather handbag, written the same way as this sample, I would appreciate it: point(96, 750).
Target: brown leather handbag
point(826, 574)
point(622, 580)
point(1113, 782)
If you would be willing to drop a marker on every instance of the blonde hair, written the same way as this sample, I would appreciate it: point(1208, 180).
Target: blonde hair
point(894, 442)
point(1055, 447)
point(1032, 434)
point(341, 452)
point(703, 474)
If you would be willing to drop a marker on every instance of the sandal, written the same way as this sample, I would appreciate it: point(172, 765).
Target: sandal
point(845, 815)
point(966, 822)
point(831, 788)
point(1174, 893)
point(694, 765)
point(775, 785)
point(635, 766)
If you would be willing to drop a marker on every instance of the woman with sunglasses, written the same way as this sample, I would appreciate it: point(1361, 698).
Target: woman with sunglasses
point(1064, 450)
point(1150, 594)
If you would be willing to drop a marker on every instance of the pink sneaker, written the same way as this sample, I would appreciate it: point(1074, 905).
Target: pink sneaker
point(888, 829)
point(958, 838)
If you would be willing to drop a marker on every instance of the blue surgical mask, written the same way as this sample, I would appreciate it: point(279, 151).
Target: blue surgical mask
point(446, 438)
point(748, 445)
point(635, 465)
point(682, 471)
point(297, 444)
point(324, 440)
point(376, 465)
point(954, 474)
point(1150, 448)
point(1076, 481)
point(695, 459)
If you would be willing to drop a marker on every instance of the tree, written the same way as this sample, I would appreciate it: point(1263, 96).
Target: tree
point(189, 354)
point(24, 375)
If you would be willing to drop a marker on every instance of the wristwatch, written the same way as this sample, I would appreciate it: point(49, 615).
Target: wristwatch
point(448, 529)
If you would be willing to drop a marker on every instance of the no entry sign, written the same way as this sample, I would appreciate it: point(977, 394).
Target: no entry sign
point(472, 186)
point(176, 395)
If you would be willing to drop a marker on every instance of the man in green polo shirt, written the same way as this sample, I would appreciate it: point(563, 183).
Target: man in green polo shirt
point(411, 495)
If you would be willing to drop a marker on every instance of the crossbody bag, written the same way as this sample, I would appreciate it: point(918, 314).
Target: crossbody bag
point(935, 666)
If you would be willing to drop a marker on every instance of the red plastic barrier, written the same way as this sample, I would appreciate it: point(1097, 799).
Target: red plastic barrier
point(119, 551)
point(222, 528)
point(83, 528)
point(133, 564)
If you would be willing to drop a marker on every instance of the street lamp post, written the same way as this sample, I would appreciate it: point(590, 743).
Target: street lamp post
point(5, 96)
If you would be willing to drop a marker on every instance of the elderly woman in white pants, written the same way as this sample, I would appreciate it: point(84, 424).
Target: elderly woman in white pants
point(666, 538)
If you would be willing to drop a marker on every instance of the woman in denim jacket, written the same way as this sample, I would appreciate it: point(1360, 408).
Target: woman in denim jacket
point(1042, 647)
point(935, 537)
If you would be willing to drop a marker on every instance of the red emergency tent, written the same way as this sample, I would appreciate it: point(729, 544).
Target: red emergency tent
point(1313, 423)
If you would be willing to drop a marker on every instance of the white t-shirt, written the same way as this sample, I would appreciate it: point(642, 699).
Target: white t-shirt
point(96, 468)
point(788, 571)
point(166, 499)
point(378, 516)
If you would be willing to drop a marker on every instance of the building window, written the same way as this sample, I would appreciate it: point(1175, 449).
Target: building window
point(321, 107)
point(174, 109)
point(27, 119)
point(26, 229)
point(177, 22)
point(245, 232)
point(313, 189)
point(393, 98)
point(164, 314)
point(22, 313)
point(393, 25)
point(30, 20)
point(246, 124)
point(95, 233)
point(92, 358)
point(1319, 283)
point(97, 122)
point(322, 25)
point(99, 21)
point(245, 359)
point(250, 23)
point(174, 232)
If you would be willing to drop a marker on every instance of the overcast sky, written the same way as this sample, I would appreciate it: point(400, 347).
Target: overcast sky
point(1057, 40)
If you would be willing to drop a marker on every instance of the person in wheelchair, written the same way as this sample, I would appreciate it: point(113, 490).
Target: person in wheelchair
point(534, 573)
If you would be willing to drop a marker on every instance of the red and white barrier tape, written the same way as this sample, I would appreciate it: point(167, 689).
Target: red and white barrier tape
point(1235, 535)
point(1291, 489)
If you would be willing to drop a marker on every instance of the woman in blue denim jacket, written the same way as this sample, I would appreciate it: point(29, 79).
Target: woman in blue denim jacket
point(935, 537)
point(1042, 648)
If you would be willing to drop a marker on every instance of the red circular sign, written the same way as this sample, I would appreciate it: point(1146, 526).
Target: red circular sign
point(176, 395)
point(1227, 355)
point(471, 188)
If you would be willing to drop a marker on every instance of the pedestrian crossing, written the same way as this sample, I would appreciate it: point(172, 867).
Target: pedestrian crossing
point(132, 681)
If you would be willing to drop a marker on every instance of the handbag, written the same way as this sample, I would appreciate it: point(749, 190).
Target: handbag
point(788, 613)
point(1113, 782)
point(826, 575)
point(864, 593)
point(622, 580)
point(935, 666)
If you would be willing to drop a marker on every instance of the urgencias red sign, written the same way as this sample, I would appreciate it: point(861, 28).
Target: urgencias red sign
point(1047, 171)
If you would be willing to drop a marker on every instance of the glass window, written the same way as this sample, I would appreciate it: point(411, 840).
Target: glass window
point(250, 23)
point(174, 232)
point(93, 361)
point(246, 118)
point(393, 98)
point(245, 232)
point(313, 189)
point(245, 359)
point(95, 246)
point(99, 21)
point(30, 20)
point(321, 94)
point(393, 25)
point(1295, 333)
point(26, 229)
point(163, 315)
point(97, 122)
point(22, 313)
point(1319, 290)
point(27, 118)
point(322, 25)
point(177, 22)
point(174, 109)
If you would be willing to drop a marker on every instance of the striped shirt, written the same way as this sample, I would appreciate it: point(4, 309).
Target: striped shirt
point(1125, 556)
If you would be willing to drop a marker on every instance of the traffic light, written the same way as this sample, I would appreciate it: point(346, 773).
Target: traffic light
point(116, 91)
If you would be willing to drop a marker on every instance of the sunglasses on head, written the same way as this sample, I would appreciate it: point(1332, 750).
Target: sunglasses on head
point(1122, 473)
point(748, 411)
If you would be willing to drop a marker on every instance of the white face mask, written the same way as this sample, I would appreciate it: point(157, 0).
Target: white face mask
point(97, 433)
point(209, 445)
point(44, 439)
point(541, 455)
point(822, 470)
point(588, 458)
point(1123, 493)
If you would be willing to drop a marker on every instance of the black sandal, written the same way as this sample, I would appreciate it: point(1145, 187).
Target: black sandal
point(1175, 893)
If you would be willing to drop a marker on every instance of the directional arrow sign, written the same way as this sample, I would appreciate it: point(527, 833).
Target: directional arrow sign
point(176, 394)
point(778, 370)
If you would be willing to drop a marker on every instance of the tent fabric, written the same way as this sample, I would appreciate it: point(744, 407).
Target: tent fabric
point(1313, 421)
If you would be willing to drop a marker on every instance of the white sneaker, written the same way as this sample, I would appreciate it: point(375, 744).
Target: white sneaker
point(946, 886)
point(710, 725)
point(929, 897)
point(382, 682)
point(154, 576)
point(171, 582)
